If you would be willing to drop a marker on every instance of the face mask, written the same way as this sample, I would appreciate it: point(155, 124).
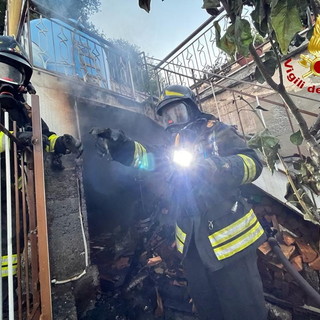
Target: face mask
point(176, 113)
point(11, 75)
point(10, 103)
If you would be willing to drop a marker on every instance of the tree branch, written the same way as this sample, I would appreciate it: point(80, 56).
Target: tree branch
point(230, 14)
point(252, 109)
point(276, 52)
point(311, 141)
point(262, 68)
point(316, 126)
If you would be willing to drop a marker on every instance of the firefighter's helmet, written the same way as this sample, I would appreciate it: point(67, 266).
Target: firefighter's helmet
point(15, 68)
point(178, 105)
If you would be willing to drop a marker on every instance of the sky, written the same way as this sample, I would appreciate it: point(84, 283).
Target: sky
point(156, 33)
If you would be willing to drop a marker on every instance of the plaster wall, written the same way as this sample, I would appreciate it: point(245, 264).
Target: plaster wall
point(233, 110)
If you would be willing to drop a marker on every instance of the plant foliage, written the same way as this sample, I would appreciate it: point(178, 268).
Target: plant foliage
point(268, 146)
point(143, 78)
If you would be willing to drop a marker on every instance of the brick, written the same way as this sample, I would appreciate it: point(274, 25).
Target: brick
point(315, 264)
point(297, 262)
point(288, 239)
point(265, 248)
point(154, 261)
point(287, 250)
point(308, 254)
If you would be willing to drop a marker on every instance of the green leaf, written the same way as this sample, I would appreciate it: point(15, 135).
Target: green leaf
point(218, 33)
point(210, 4)
point(242, 36)
point(270, 63)
point(296, 138)
point(302, 7)
point(268, 145)
point(236, 6)
point(297, 165)
point(260, 17)
point(145, 4)
point(258, 76)
point(227, 42)
point(285, 21)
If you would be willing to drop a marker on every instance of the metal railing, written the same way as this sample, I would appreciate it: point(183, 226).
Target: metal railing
point(25, 282)
point(63, 47)
point(195, 56)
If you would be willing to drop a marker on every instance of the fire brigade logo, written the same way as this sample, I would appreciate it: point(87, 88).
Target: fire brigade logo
point(314, 49)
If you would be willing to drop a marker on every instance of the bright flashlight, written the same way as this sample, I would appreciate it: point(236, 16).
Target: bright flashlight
point(183, 158)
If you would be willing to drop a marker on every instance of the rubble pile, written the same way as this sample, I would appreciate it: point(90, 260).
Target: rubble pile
point(141, 276)
point(299, 241)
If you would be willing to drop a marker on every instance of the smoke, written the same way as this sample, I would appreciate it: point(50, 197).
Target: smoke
point(79, 10)
point(113, 190)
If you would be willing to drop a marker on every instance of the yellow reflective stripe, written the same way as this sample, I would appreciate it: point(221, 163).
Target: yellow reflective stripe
point(2, 140)
point(172, 93)
point(140, 157)
point(239, 244)
point(180, 234)
point(179, 245)
point(5, 271)
point(20, 183)
point(4, 260)
point(177, 140)
point(233, 229)
point(249, 168)
point(52, 141)
point(245, 173)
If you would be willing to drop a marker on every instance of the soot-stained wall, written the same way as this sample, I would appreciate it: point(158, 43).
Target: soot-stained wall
point(112, 190)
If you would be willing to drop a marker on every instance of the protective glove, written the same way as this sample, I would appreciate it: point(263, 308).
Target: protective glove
point(112, 142)
point(25, 139)
point(68, 144)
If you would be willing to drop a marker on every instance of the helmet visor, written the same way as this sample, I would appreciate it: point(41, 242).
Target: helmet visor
point(9, 44)
point(10, 74)
point(175, 113)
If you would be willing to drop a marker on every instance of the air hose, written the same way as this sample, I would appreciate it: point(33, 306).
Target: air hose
point(307, 288)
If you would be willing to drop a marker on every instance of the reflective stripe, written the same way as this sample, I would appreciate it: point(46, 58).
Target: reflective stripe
point(177, 140)
point(20, 183)
point(233, 229)
point(240, 243)
point(249, 168)
point(5, 272)
point(180, 234)
point(2, 139)
point(172, 93)
point(4, 260)
point(140, 157)
point(179, 245)
point(180, 239)
point(52, 143)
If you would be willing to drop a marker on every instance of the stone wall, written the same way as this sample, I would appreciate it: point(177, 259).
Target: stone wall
point(233, 110)
point(68, 240)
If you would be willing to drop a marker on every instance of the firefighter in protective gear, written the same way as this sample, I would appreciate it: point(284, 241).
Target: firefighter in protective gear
point(217, 232)
point(15, 75)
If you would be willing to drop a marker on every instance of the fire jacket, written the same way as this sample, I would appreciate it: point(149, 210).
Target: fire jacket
point(206, 202)
point(50, 147)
